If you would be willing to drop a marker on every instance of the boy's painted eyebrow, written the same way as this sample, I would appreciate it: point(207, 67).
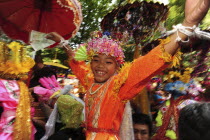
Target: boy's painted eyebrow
point(95, 56)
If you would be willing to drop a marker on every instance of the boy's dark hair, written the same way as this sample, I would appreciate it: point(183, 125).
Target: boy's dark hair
point(65, 134)
point(194, 122)
point(139, 118)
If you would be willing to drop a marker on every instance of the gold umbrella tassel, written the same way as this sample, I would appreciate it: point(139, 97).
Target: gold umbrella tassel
point(22, 125)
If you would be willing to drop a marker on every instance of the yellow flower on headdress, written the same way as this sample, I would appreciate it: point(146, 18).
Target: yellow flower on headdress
point(91, 53)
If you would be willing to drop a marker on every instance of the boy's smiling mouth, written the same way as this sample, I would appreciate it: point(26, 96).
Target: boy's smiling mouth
point(100, 73)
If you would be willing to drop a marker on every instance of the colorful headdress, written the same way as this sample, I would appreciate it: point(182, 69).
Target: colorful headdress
point(102, 45)
point(14, 63)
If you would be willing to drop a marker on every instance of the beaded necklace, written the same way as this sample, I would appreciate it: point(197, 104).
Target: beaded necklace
point(93, 92)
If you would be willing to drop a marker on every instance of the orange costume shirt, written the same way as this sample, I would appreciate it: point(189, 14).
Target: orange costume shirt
point(105, 103)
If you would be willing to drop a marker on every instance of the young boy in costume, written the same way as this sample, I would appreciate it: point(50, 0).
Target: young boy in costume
point(109, 87)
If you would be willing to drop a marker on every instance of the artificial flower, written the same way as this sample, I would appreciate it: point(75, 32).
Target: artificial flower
point(195, 88)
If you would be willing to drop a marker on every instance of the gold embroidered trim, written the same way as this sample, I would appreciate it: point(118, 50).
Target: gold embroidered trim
point(121, 78)
point(22, 125)
point(175, 60)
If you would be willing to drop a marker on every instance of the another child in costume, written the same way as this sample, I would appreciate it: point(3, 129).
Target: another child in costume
point(66, 116)
point(69, 111)
point(109, 87)
point(15, 123)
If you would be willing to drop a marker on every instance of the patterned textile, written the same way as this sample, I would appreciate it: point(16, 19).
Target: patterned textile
point(9, 99)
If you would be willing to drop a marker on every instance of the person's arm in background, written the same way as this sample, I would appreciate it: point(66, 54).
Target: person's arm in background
point(57, 38)
point(195, 11)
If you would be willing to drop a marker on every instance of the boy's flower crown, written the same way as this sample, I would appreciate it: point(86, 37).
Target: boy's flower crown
point(102, 45)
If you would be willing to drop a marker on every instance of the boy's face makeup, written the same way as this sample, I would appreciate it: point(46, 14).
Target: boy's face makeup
point(103, 67)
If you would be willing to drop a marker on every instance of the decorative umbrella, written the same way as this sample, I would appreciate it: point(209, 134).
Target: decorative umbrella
point(19, 17)
point(139, 20)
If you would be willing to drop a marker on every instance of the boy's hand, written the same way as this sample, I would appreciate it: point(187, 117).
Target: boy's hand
point(54, 36)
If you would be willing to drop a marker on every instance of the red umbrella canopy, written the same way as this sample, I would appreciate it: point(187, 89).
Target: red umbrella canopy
point(19, 17)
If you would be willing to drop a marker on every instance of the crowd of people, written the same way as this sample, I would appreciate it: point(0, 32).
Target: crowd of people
point(109, 84)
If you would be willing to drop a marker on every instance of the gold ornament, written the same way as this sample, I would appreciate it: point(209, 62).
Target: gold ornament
point(14, 63)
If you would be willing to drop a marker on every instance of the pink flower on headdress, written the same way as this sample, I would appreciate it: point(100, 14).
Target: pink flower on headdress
point(106, 46)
